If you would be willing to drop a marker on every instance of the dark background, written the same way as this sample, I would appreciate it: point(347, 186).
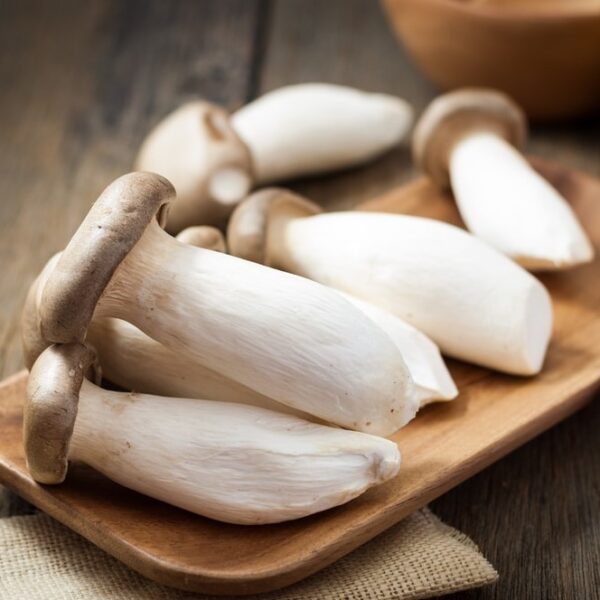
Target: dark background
point(81, 84)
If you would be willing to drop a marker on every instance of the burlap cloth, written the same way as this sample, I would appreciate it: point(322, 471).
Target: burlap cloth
point(420, 557)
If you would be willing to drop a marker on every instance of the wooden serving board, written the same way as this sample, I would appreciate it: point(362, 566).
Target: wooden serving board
point(446, 444)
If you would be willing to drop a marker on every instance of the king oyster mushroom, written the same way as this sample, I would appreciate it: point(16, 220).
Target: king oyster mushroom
point(231, 462)
point(475, 303)
point(287, 338)
point(213, 159)
point(135, 361)
point(196, 148)
point(470, 139)
point(312, 128)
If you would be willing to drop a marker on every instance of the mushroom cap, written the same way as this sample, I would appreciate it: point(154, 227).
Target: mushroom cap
point(197, 149)
point(51, 408)
point(112, 227)
point(32, 340)
point(249, 223)
point(457, 114)
point(203, 236)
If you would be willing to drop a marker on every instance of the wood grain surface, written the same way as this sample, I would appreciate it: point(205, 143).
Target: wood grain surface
point(82, 83)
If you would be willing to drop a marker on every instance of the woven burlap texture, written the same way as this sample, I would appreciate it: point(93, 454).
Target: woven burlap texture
point(421, 557)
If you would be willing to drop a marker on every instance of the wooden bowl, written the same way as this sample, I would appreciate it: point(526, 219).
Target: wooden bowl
point(544, 53)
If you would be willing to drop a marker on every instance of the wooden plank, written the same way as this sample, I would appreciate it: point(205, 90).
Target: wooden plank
point(82, 84)
point(444, 445)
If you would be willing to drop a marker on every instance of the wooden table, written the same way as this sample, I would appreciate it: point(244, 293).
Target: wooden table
point(83, 81)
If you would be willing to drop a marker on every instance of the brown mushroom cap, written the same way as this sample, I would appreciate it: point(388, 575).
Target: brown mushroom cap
point(110, 230)
point(210, 166)
point(454, 115)
point(203, 236)
point(249, 223)
point(51, 408)
point(32, 340)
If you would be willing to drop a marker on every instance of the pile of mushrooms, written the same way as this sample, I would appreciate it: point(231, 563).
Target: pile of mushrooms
point(291, 339)
point(133, 360)
point(269, 337)
point(258, 382)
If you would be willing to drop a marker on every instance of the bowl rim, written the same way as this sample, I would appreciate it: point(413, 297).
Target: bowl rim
point(576, 12)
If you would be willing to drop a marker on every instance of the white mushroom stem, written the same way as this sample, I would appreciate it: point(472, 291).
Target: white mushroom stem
point(230, 462)
point(287, 338)
point(135, 361)
point(506, 203)
point(124, 349)
point(306, 129)
point(432, 380)
point(475, 303)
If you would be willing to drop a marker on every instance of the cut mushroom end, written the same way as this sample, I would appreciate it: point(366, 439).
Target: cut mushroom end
point(110, 230)
point(571, 256)
point(453, 116)
point(203, 236)
point(538, 330)
point(432, 379)
point(51, 408)
point(247, 232)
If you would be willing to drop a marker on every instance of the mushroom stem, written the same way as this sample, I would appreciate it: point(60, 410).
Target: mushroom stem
point(312, 128)
point(474, 302)
point(432, 380)
point(231, 462)
point(285, 337)
point(505, 202)
point(470, 139)
point(135, 361)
